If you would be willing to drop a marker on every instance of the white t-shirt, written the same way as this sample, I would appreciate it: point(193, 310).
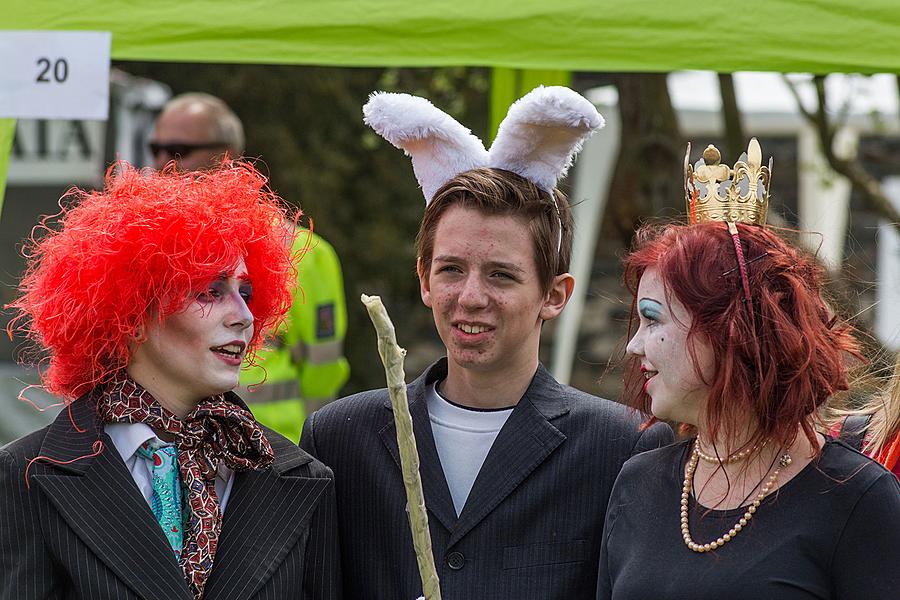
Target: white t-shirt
point(463, 437)
point(128, 437)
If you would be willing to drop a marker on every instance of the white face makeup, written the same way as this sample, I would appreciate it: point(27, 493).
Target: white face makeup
point(484, 290)
point(198, 352)
point(677, 391)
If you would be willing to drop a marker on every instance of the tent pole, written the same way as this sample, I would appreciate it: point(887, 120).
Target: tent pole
point(887, 320)
point(508, 85)
point(824, 202)
point(7, 131)
point(593, 174)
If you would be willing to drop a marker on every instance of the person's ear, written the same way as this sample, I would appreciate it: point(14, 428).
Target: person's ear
point(424, 286)
point(557, 296)
point(140, 335)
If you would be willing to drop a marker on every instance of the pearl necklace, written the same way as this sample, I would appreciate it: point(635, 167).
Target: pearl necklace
point(742, 522)
point(716, 460)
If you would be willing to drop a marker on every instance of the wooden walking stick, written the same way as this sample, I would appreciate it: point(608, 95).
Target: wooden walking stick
point(392, 357)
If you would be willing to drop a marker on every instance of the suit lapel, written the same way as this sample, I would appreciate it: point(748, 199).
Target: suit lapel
point(98, 499)
point(524, 442)
point(265, 515)
point(437, 494)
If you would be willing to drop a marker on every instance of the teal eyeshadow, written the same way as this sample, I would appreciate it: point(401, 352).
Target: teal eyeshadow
point(650, 309)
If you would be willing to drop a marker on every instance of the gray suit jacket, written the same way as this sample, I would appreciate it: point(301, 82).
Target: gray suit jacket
point(531, 527)
point(83, 530)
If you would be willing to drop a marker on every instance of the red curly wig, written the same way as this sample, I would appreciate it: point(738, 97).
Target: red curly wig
point(137, 251)
point(775, 364)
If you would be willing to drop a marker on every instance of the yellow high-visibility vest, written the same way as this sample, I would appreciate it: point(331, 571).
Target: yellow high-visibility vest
point(304, 366)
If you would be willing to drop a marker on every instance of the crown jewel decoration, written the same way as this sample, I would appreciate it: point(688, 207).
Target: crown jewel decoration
point(717, 192)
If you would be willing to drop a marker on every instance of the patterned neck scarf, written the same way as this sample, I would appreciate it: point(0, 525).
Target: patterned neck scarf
point(216, 431)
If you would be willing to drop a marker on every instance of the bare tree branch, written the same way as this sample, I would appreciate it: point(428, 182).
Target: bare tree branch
point(793, 89)
point(861, 180)
point(735, 141)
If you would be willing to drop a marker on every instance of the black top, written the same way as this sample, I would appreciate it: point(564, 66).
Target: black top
point(82, 530)
point(833, 531)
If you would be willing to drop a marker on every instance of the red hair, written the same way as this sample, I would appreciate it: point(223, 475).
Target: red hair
point(775, 364)
point(136, 251)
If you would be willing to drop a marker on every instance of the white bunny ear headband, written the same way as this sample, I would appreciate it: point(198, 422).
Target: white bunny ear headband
point(538, 139)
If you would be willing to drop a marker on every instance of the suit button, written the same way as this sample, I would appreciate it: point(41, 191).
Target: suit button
point(456, 560)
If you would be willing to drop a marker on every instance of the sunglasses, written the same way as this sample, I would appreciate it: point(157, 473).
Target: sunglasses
point(182, 149)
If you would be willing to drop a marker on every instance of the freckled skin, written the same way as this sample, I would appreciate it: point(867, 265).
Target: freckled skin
point(483, 274)
point(677, 391)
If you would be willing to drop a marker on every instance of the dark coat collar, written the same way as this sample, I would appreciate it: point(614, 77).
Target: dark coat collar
point(71, 439)
point(526, 440)
point(93, 491)
point(546, 394)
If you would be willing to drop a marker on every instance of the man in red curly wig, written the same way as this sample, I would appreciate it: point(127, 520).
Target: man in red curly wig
point(145, 299)
point(304, 366)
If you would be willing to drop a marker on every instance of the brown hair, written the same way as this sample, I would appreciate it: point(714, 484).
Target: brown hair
point(500, 192)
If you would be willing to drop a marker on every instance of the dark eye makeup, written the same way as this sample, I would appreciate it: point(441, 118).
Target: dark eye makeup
point(219, 288)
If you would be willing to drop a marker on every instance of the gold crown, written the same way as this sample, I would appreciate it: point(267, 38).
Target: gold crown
point(717, 192)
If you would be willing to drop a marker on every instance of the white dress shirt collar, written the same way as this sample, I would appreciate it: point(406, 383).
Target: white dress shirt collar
point(128, 437)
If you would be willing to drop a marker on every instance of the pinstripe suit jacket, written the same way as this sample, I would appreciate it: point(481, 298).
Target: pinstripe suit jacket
point(531, 527)
point(83, 530)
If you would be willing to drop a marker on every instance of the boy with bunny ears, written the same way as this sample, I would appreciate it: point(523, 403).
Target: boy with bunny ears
point(516, 468)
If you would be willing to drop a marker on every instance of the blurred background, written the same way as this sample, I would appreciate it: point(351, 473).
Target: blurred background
point(304, 128)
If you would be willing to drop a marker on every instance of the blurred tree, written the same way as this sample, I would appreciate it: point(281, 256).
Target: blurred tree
point(735, 140)
point(647, 178)
point(851, 167)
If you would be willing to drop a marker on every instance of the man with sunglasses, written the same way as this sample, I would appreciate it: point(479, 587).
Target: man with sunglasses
point(305, 367)
point(196, 130)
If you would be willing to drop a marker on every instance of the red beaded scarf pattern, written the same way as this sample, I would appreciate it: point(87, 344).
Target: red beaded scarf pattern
point(216, 431)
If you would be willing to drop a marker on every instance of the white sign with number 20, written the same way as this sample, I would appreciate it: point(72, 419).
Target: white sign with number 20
point(54, 74)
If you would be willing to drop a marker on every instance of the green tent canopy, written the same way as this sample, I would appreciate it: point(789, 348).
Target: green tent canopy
point(817, 36)
point(547, 38)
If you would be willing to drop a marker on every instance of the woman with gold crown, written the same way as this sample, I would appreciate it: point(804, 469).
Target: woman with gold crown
point(735, 341)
